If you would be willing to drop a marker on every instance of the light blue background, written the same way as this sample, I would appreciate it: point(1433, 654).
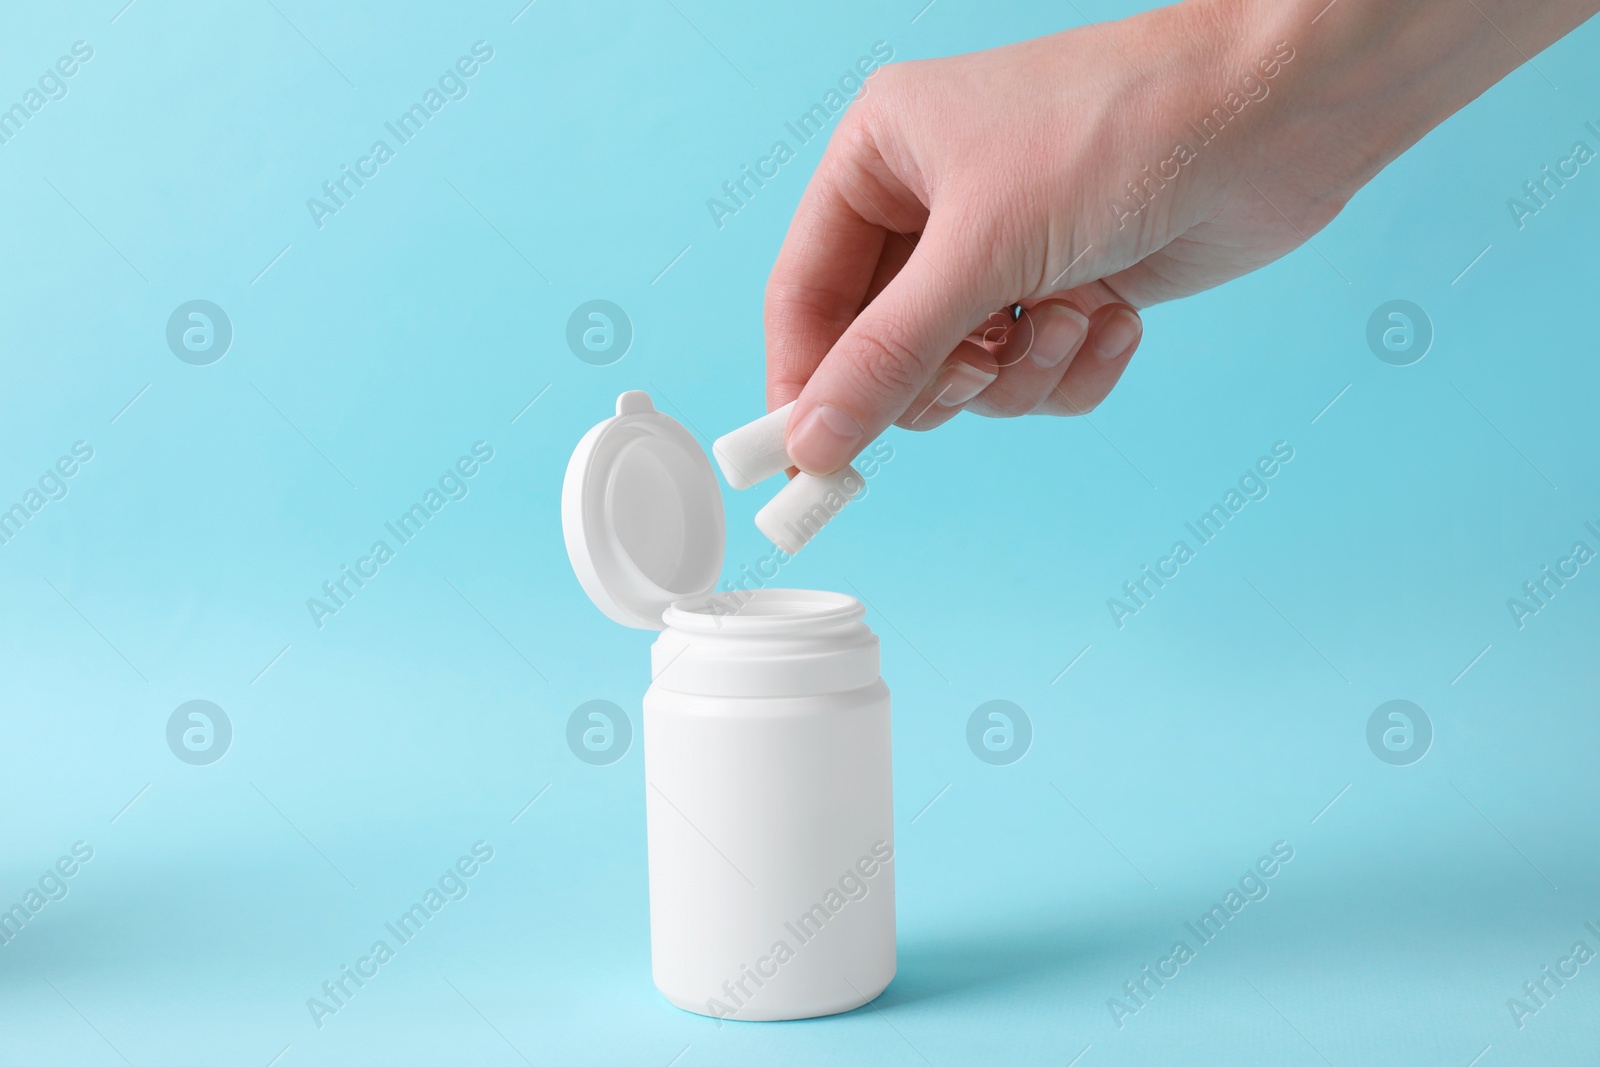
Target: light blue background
point(371, 753)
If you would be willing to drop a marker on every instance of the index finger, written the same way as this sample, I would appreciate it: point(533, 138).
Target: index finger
point(817, 285)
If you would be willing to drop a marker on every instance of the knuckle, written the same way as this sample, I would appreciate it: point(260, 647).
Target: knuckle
point(886, 364)
point(883, 81)
point(879, 103)
point(852, 138)
point(878, 111)
point(788, 302)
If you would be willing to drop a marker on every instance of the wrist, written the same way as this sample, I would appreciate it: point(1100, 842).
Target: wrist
point(1329, 118)
point(1370, 78)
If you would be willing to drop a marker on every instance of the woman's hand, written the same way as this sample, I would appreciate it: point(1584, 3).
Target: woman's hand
point(1084, 175)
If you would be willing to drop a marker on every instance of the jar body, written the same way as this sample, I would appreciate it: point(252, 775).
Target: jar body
point(770, 824)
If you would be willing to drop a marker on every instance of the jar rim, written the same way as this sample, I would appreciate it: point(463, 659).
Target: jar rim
point(764, 611)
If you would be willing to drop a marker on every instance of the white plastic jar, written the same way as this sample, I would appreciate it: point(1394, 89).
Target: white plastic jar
point(768, 780)
point(770, 819)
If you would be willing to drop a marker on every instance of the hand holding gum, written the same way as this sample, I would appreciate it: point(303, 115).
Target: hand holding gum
point(755, 452)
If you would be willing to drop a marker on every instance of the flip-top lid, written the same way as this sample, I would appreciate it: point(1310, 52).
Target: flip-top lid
point(642, 514)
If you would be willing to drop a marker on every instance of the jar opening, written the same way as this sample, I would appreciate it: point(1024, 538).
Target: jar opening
point(763, 610)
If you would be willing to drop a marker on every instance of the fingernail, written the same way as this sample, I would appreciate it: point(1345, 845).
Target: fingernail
point(1118, 334)
point(1057, 333)
point(960, 382)
point(824, 440)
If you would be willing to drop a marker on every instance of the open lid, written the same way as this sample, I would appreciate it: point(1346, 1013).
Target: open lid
point(642, 514)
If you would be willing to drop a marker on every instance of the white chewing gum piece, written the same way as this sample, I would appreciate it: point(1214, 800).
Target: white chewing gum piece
point(804, 506)
point(754, 452)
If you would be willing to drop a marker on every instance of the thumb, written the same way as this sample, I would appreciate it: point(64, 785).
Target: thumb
point(889, 353)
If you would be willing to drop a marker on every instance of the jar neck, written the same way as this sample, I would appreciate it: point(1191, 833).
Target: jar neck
point(765, 643)
point(769, 613)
